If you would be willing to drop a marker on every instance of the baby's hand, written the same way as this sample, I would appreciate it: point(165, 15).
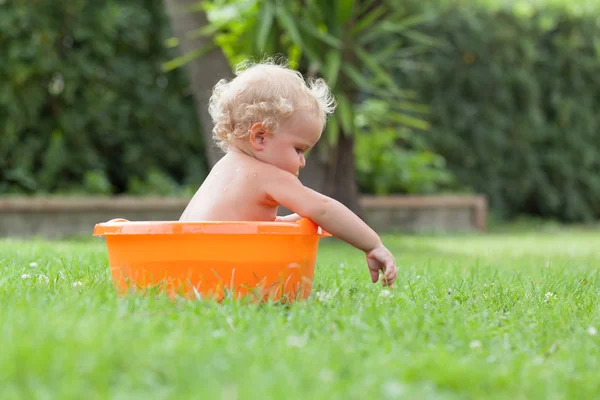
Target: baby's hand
point(380, 259)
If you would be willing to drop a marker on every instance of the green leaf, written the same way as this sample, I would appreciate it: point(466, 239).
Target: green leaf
point(401, 25)
point(373, 65)
point(312, 49)
point(205, 31)
point(364, 5)
point(422, 38)
point(357, 78)
point(266, 22)
point(392, 25)
point(345, 10)
point(325, 37)
point(414, 107)
point(369, 19)
point(346, 114)
point(287, 22)
point(172, 42)
point(184, 59)
point(409, 121)
point(389, 52)
point(332, 131)
point(333, 61)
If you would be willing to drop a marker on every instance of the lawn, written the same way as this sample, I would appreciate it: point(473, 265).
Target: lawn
point(506, 315)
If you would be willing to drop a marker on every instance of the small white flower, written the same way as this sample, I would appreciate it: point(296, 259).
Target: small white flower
point(327, 375)
point(33, 265)
point(475, 344)
point(25, 276)
point(393, 389)
point(549, 296)
point(296, 341)
point(538, 360)
point(385, 293)
point(43, 278)
point(76, 284)
point(323, 296)
point(592, 331)
point(229, 321)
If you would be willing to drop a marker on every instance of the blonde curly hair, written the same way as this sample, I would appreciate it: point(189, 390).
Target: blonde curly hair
point(265, 92)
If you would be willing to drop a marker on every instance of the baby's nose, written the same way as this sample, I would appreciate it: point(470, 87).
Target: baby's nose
point(302, 161)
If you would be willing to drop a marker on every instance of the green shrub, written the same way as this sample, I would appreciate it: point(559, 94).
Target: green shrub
point(395, 159)
point(84, 105)
point(514, 99)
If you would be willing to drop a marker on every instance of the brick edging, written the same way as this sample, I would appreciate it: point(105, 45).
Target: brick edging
point(126, 203)
point(129, 203)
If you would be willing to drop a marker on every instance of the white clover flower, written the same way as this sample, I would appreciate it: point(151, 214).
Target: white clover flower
point(33, 264)
point(393, 389)
point(25, 276)
point(549, 296)
point(296, 341)
point(76, 284)
point(327, 375)
point(592, 331)
point(475, 344)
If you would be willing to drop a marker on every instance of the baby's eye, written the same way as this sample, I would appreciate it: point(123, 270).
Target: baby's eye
point(299, 151)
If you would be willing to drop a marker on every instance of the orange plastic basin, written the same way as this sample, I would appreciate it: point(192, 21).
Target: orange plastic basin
point(265, 260)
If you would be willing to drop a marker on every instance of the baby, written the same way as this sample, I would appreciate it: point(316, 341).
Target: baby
point(266, 120)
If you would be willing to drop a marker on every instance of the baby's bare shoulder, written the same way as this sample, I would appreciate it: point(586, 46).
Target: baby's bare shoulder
point(258, 175)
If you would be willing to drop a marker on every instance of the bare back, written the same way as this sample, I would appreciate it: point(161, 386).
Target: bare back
point(233, 192)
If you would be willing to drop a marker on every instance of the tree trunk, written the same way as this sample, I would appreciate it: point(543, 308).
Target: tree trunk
point(342, 178)
point(332, 172)
point(203, 72)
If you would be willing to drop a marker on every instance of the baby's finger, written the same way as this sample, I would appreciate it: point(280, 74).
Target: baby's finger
point(391, 279)
point(390, 272)
point(374, 275)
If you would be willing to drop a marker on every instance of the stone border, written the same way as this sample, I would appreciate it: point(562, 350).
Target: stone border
point(70, 204)
point(55, 217)
point(478, 204)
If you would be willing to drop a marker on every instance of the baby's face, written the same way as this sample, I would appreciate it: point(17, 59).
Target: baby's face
point(286, 148)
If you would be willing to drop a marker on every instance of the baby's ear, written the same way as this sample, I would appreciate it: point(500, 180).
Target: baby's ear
point(257, 136)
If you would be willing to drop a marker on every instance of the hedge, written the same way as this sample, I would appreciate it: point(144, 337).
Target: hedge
point(514, 95)
point(84, 105)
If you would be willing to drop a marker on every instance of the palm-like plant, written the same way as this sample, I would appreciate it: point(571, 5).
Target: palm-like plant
point(354, 44)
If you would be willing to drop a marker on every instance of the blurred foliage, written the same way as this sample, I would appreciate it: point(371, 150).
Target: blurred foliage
point(520, 8)
point(84, 104)
point(347, 42)
point(514, 102)
point(356, 46)
point(390, 159)
point(510, 85)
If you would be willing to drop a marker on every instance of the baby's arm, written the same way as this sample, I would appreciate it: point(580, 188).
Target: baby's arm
point(335, 218)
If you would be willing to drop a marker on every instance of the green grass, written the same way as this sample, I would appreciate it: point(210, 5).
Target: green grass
point(495, 316)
